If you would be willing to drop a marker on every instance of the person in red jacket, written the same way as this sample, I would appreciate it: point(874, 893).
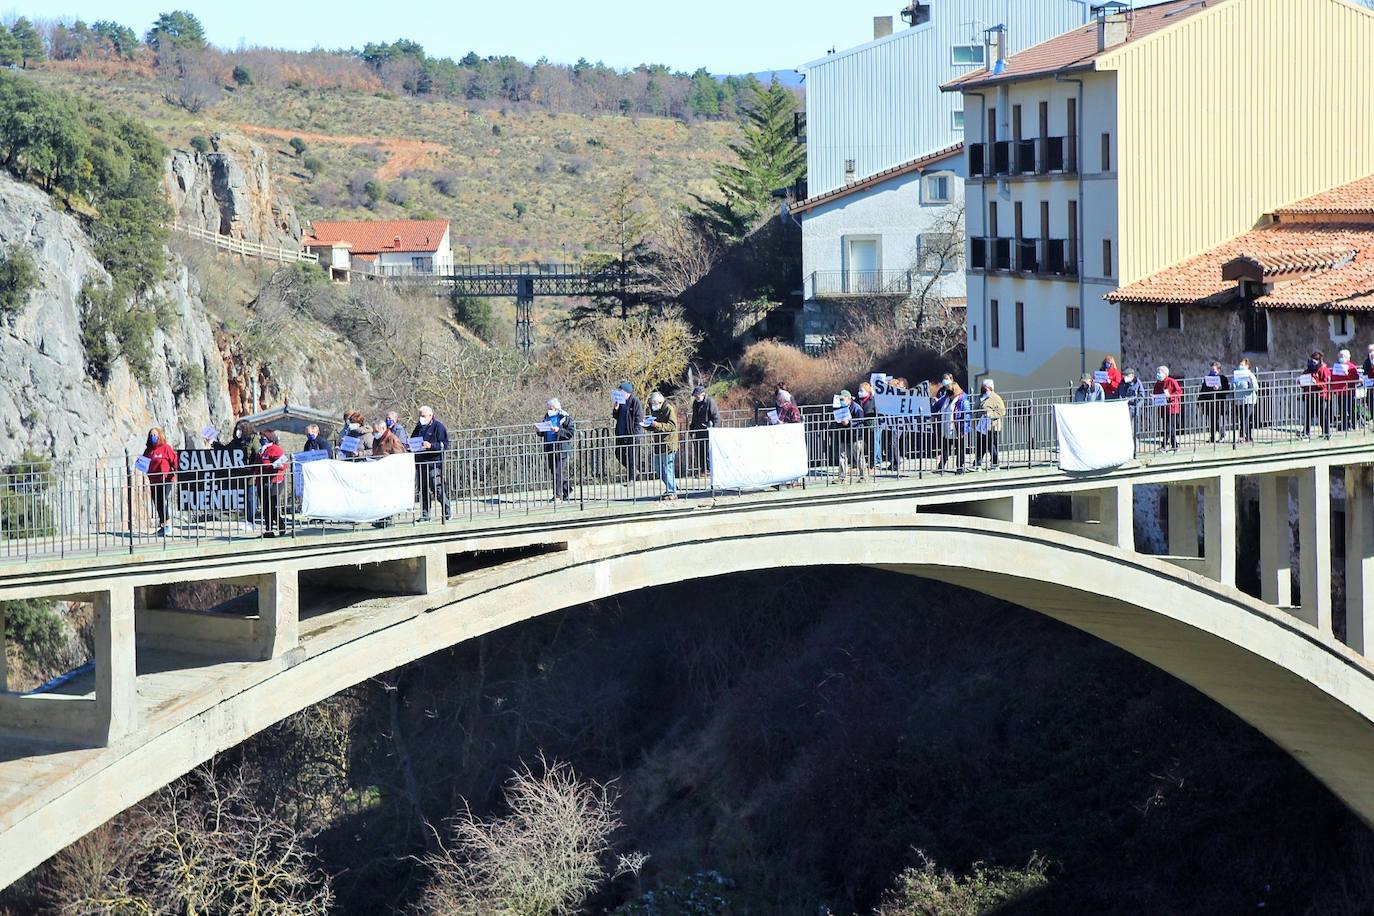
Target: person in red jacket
point(273, 475)
point(1113, 379)
point(1317, 395)
point(1345, 378)
point(162, 476)
point(1170, 409)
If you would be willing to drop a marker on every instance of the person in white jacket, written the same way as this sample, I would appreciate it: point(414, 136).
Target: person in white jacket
point(1245, 392)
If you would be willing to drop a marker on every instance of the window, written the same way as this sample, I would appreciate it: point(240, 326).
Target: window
point(1106, 152)
point(422, 265)
point(937, 189)
point(966, 55)
point(956, 120)
point(1073, 318)
point(1254, 325)
point(1170, 318)
point(1106, 257)
point(994, 324)
point(1020, 327)
point(939, 252)
point(1342, 327)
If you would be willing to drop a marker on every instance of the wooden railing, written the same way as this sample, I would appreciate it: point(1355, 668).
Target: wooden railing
point(247, 249)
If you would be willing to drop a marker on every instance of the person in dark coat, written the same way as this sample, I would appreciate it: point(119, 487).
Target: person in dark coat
point(558, 433)
point(1214, 398)
point(245, 442)
point(1132, 391)
point(868, 424)
point(629, 433)
point(429, 462)
point(314, 442)
point(704, 416)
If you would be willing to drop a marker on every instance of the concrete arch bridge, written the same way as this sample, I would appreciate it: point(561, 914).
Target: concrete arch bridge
point(171, 688)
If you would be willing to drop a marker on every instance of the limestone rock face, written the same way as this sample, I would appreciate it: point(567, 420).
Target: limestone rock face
point(230, 191)
point(48, 404)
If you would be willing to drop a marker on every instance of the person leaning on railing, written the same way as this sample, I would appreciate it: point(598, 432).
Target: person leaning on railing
point(273, 461)
point(1245, 389)
point(788, 411)
point(162, 478)
point(1316, 395)
point(558, 433)
point(1172, 408)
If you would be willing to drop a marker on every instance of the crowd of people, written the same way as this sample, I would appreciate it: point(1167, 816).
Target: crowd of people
point(857, 440)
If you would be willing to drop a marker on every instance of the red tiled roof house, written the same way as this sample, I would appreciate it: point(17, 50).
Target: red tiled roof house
point(386, 247)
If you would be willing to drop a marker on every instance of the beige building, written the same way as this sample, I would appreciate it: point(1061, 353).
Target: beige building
point(1104, 155)
point(1303, 281)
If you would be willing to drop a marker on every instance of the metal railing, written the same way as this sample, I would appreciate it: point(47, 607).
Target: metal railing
point(76, 508)
point(837, 284)
point(1036, 156)
point(1038, 257)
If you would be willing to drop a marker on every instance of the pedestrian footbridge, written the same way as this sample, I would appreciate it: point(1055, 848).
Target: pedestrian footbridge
point(170, 688)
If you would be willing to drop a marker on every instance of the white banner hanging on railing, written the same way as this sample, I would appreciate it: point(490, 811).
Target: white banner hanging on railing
point(1093, 437)
point(358, 491)
point(757, 456)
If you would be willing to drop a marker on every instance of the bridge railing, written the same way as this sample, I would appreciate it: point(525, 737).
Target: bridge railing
point(62, 508)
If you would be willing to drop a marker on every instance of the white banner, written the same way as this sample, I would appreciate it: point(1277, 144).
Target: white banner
point(358, 491)
point(903, 405)
point(1093, 437)
point(758, 456)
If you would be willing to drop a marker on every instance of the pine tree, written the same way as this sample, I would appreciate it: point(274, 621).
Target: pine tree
point(624, 238)
point(769, 157)
point(29, 42)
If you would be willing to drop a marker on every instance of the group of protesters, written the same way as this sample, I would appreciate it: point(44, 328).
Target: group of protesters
point(857, 436)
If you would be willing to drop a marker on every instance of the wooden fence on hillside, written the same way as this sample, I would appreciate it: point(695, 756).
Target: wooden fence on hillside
point(246, 249)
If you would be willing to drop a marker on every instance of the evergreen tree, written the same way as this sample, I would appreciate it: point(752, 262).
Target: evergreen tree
point(769, 157)
point(29, 42)
point(626, 255)
point(177, 30)
point(704, 96)
point(10, 52)
point(122, 39)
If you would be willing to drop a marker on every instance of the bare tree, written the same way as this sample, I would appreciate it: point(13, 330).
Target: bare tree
point(542, 859)
point(682, 257)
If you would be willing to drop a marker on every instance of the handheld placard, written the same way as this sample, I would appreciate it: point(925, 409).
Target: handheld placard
point(350, 444)
point(544, 427)
point(1305, 380)
point(1102, 377)
point(773, 417)
point(619, 396)
point(841, 414)
point(1160, 400)
point(416, 444)
point(209, 434)
point(1212, 381)
point(647, 421)
point(142, 465)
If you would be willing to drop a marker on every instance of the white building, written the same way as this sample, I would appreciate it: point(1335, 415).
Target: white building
point(387, 247)
point(876, 112)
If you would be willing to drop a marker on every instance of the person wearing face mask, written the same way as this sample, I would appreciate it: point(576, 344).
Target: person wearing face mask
point(314, 442)
point(1113, 381)
point(664, 442)
point(845, 430)
point(868, 425)
point(162, 477)
point(1132, 391)
point(705, 415)
point(990, 424)
point(953, 415)
point(429, 461)
point(1088, 391)
point(629, 433)
point(384, 441)
point(1213, 398)
point(1345, 376)
point(245, 442)
point(1170, 410)
point(1245, 389)
point(355, 427)
point(1316, 395)
point(788, 411)
point(557, 432)
point(273, 461)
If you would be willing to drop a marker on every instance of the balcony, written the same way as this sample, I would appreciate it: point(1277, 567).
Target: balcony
point(1048, 258)
point(1012, 158)
point(850, 284)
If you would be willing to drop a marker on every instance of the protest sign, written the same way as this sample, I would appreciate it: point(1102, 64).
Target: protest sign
point(1102, 377)
point(142, 464)
point(1211, 381)
point(213, 480)
point(619, 396)
point(1160, 400)
point(1305, 380)
point(416, 444)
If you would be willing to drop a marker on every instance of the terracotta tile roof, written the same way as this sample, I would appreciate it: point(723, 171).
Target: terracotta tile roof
point(1355, 198)
point(906, 168)
point(1077, 49)
point(378, 236)
point(1311, 266)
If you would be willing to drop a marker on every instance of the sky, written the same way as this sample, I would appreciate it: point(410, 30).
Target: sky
point(724, 36)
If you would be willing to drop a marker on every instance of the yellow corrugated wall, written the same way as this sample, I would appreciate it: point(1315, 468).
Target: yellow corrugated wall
point(1233, 112)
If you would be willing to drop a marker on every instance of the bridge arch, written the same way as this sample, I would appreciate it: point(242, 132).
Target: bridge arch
point(1308, 693)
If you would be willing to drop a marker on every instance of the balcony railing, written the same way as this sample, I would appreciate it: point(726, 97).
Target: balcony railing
point(1009, 158)
point(840, 284)
point(1038, 257)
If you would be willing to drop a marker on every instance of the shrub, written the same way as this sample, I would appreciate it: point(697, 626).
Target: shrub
point(476, 314)
point(297, 146)
point(36, 628)
point(447, 183)
point(200, 144)
point(929, 891)
point(242, 75)
point(114, 325)
point(520, 208)
point(18, 278)
point(313, 165)
point(373, 190)
point(398, 193)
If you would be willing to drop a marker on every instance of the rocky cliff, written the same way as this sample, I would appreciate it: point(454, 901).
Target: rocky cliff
point(230, 191)
point(47, 403)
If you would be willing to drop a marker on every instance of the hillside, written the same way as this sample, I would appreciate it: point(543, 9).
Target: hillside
point(435, 158)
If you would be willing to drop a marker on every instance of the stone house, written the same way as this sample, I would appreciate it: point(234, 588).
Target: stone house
point(1302, 281)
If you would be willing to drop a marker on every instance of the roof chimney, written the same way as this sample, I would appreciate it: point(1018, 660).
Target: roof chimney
point(882, 27)
point(396, 242)
point(1113, 25)
point(995, 41)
